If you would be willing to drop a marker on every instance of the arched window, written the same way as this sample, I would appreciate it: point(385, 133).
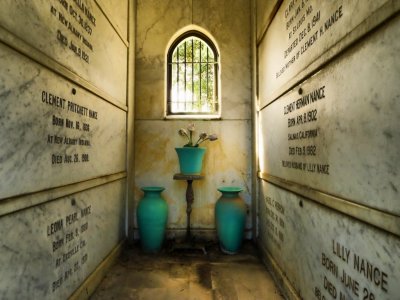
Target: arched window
point(192, 76)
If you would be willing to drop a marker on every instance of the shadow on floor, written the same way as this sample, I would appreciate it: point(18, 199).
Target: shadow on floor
point(188, 274)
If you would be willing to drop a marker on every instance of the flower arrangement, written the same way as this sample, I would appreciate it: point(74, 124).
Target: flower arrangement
point(188, 133)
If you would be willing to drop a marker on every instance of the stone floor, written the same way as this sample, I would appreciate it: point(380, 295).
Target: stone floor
point(188, 274)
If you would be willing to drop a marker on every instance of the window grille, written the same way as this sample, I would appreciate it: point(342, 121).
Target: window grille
point(192, 76)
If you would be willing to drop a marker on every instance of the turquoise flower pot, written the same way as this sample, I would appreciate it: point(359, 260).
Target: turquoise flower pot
point(152, 215)
point(190, 159)
point(230, 219)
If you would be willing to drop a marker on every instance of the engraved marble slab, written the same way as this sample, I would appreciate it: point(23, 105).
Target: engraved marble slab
point(264, 13)
point(53, 133)
point(74, 33)
point(327, 255)
point(118, 11)
point(47, 251)
point(301, 31)
point(341, 134)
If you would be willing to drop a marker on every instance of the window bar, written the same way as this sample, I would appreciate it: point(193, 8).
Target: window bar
point(181, 103)
point(192, 73)
point(176, 100)
point(215, 67)
point(216, 83)
point(177, 81)
point(207, 76)
point(215, 95)
point(200, 100)
point(185, 63)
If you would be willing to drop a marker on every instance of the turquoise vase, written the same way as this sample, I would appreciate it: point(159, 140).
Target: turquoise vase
point(152, 215)
point(230, 219)
point(190, 159)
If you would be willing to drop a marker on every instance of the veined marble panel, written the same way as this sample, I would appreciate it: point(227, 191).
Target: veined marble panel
point(52, 132)
point(265, 8)
point(74, 33)
point(302, 31)
point(47, 251)
point(118, 11)
point(324, 254)
point(341, 134)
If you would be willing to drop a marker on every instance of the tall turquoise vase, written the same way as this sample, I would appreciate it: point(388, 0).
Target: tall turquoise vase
point(152, 215)
point(230, 219)
point(190, 159)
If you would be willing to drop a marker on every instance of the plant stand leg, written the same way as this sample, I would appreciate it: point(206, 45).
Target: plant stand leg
point(189, 202)
point(189, 242)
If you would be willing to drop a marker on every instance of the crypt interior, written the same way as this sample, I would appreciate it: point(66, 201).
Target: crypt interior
point(293, 105)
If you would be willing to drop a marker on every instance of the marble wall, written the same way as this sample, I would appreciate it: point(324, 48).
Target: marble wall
point(48, 250)
point(63, 149)
point(326, 254)
point(75, 34)
point(48, 127)
point(328, 148)
point(228, 160)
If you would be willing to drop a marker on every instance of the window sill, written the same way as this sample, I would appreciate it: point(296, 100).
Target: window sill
point(193, 117)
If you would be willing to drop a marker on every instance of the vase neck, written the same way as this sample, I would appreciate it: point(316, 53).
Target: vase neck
point(230, 194)
point(230, 191)
point(152, 193)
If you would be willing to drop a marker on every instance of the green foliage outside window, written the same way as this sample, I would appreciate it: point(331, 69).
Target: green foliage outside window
point(193, 72)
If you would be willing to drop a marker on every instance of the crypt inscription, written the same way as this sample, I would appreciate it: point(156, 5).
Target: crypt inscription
point(301, 32)
point(68, 241)
point(77, 132)
point(48, 250)
point(336, 132)
point(325, 254)
point(75, 34)
point(304, 28)
point(344, 273)
point(53, 132)
point(303, 138)
point(275, 221)
point(78, 20)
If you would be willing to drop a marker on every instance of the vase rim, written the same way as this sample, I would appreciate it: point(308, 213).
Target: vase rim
point(190, 148)
point(152, 188)
point(230, 189)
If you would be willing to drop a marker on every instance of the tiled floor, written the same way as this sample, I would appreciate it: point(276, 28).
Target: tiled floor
point(183, 274)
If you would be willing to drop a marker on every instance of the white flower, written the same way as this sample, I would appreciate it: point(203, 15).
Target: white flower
point(191, 127)
point(189, 135)
point(212, 137)
point(182, 132)
point(203, 135)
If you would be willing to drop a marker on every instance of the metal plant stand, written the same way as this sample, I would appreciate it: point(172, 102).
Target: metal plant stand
point(189, 243)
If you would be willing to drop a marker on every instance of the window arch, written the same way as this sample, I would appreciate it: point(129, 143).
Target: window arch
point(192, 76)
